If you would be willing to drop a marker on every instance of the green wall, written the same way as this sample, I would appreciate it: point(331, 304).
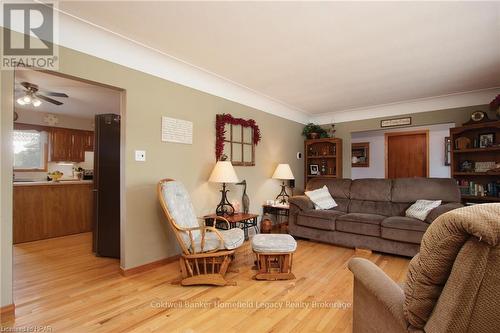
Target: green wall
point(145, 236)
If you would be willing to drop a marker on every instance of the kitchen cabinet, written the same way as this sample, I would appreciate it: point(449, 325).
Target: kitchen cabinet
point(89, 141)
point(59, 144)
point(69, 145)
point(51, 209)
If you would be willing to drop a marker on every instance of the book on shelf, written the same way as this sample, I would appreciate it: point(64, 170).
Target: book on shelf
point(471, 188)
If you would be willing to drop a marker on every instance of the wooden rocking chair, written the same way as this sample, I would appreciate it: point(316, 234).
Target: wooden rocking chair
point(206, 251)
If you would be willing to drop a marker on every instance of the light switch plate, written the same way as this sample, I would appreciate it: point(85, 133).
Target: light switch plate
point(140, 155)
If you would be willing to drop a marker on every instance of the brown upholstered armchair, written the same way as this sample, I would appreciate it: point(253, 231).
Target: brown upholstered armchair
point(453, 284)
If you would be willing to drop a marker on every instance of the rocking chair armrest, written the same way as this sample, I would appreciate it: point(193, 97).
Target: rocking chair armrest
point(217, 232)
point(220, 218)
point(189, 229)
point(223, 219)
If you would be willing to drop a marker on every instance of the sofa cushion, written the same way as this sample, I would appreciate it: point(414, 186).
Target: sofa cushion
point(342, 204)
point(359, 223)
point(371, 189)
point(438, 211)
point(321, 198)
point(339, 188)
point(371, 207)
point(421, 208)
point(318, 219)
point(403, 229)
point(413, 189)
point(301, 201)
point(404, 223)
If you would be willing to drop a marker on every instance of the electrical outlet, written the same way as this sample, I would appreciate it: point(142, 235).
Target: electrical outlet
point(140, 155)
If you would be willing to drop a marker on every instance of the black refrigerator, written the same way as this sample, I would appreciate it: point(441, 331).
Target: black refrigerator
point(106, 237)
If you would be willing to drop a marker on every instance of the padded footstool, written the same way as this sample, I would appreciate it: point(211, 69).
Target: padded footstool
point(274, 256)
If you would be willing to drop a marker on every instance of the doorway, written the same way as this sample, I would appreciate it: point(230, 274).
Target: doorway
point(68, 156)
point(407, 154)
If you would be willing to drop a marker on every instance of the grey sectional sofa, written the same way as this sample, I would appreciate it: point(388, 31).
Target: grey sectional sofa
point(371, 212)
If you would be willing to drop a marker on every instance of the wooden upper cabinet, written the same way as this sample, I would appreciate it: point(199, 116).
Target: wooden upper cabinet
point(60, 144)
point(69, 144)
point(89, 141)
point(77, 146)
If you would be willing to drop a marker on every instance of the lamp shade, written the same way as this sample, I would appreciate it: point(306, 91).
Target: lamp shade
point(223, 172)
point(283, 171)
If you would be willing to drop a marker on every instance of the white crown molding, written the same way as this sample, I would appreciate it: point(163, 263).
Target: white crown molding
point(86, 37)
point(477, 97)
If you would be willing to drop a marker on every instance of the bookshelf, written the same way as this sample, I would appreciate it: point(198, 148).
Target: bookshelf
point(474, 161)
point(325, 155)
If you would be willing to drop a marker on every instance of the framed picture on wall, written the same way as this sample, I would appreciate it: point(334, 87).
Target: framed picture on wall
point(395, 122)
point(447, 150)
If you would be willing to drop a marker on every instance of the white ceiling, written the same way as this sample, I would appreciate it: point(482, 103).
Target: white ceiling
point(321, 57)
point(84, 101)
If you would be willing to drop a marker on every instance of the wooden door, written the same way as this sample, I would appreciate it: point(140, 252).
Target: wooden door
point(407, 154)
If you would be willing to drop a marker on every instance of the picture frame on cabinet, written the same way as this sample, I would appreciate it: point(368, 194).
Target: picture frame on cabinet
point(486, 140)
point(313, 169)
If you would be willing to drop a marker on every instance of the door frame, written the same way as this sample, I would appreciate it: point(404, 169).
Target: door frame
point(403, 133)
point(8, 134)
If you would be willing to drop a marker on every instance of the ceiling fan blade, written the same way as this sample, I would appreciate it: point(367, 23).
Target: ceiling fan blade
point(54, 94)
point(48, 99)
point(29, 86)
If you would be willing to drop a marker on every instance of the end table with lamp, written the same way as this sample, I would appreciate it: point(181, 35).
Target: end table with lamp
point(223, 172)
point(283, 172)
point(279, 208)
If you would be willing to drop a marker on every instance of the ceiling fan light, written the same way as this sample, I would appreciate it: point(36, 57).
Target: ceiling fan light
point(36, 102)
point(20, 101)
point(27, 99)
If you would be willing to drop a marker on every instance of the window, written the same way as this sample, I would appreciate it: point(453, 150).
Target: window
point(239, 146)
point(30, 150)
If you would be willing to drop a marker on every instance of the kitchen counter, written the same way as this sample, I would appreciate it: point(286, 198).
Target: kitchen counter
point(46, 209)
point(52, 183)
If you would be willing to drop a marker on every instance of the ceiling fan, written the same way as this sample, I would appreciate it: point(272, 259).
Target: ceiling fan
point(34, 97)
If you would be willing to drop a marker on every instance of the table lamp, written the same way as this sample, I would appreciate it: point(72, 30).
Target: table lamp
point(223, 172)
point(283, 172)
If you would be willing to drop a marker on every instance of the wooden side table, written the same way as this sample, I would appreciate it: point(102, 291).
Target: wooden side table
point(238, 220)
point(280, 212)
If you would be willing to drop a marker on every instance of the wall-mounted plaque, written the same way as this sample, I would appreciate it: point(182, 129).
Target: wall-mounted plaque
point(176, 130)
point(395, 122)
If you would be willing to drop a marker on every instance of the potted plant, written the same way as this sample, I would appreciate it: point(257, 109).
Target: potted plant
point(495, 106)
point(78, 173)
point(314, 131)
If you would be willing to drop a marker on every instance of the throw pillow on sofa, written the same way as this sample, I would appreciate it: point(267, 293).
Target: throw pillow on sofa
point(420, 209)
point(321, 198)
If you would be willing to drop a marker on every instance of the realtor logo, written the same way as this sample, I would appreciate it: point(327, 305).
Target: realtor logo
point(29, 32)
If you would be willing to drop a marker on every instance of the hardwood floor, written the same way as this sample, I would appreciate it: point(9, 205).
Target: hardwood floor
point(58, 283)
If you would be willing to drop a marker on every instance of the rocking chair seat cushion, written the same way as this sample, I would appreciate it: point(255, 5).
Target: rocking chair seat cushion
point(233, 238)
point(273, 243)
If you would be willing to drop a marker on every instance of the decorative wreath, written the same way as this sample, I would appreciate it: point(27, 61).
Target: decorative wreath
point(220, 122)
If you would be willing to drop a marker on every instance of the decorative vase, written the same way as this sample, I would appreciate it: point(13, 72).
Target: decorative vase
point(266, 226)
